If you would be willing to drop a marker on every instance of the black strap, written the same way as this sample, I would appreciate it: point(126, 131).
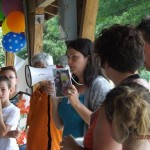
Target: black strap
point(48, 125)
point(20, 92)
point(131, 78)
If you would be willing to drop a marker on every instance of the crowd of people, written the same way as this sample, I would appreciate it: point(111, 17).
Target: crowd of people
point(92, 114)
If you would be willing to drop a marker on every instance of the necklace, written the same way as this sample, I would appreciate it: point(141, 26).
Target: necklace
point(76, 82)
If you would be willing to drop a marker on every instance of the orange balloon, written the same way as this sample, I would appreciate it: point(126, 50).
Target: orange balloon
point(16, 21)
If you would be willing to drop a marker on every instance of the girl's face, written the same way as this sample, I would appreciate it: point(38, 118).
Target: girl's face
point(12, 77)
point(76, 61)
point(4, 91)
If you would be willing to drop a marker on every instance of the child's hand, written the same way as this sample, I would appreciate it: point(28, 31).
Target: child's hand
point(13, 133)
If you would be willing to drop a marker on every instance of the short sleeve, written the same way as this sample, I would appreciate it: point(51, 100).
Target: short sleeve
point(13, 117)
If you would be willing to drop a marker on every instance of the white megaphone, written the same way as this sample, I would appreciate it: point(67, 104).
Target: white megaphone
point(35, 75)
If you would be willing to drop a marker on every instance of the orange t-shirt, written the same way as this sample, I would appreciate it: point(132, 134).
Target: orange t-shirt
point(37, 137)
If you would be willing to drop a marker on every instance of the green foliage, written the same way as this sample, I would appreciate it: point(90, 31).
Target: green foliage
point(2, 53)
point(23, 53)
point(110, 12)
point(2, 56)
point(144, 74)
point(120, 11)
point(51, 43)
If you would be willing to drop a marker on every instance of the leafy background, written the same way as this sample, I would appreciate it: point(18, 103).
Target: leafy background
point(109, 12)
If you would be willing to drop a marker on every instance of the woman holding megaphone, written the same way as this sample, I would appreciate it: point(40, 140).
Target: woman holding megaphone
point(87, 92)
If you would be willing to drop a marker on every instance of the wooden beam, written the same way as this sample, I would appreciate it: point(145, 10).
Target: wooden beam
point(43, 3)
point(55, 3)
point(9, 59)
point(30, 26)
point(34, 29)
point(51, 9)
point(38, 43)
point(39, 10)
point(80, 7)
point(48, 16)
point(34, 4)
point(30, 5)
point(88, 20)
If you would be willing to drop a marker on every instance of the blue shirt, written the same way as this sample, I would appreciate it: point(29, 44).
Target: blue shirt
point(73, 123)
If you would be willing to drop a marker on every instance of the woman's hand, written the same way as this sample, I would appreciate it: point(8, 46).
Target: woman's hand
point(73, 95)
point(69, 143)
point(48, 87)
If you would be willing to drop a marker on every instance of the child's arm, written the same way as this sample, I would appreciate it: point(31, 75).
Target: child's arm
point(3, 128)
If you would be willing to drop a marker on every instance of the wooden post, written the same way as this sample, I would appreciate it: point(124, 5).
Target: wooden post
point(39, 24)
point(9, 59)
point(88, 19)
point(30, 26)
point(34, 28)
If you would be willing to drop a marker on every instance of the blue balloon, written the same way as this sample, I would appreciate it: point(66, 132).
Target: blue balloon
point(14, 42)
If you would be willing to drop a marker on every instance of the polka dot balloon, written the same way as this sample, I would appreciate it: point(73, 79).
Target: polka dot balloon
point(14, 42)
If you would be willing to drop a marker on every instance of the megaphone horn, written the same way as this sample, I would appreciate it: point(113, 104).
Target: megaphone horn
point(35, 75)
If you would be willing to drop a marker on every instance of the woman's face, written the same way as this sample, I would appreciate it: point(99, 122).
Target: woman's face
point(12, 77)
point(76, 61)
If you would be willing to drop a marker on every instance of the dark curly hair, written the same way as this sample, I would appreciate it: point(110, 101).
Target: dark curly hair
point(122, 47)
